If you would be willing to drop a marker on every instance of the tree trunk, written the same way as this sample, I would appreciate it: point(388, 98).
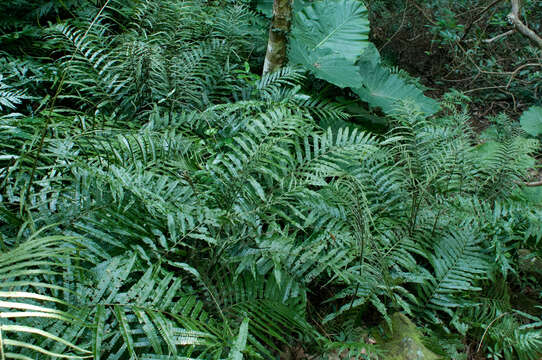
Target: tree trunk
point(275, 56)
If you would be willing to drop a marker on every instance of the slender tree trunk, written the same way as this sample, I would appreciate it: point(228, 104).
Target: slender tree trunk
point(275, 56)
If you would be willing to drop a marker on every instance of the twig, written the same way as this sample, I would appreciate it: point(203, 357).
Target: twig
point(486, 9)
point(398, 30)
point(433, 22)
point(484, 88)
point(533, 184)
point(509, 32)
point(511, 95)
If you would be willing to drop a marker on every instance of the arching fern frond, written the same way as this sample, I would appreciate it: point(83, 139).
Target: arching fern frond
point(10, 97)
point(34, 300)
point(458, 262)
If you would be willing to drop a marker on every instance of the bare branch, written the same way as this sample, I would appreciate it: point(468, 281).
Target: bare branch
point(514, 73)
point(533, 184)
point(509, 32)
point(515, 19)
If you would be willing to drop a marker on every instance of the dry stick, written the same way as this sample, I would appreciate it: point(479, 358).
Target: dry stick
point(533, 184)
point(514, 18)
point(509, 32)
point(484, 88)
point(399, 29)
point(423, 13)
point(485, 332)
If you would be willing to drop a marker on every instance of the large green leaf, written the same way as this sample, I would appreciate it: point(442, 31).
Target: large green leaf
point(341, 26)
point(265, 7)
point(327, 39)
point(531, 121)
point(326, 65)
point(330, 36)
point(386, 90)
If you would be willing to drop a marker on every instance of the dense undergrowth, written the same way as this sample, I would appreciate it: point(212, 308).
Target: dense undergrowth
point(466, 45)
point(160, 200)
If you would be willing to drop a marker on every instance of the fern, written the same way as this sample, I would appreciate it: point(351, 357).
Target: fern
point(9, 98)
point(457, 263)
point(190, 208)
point(32, 299)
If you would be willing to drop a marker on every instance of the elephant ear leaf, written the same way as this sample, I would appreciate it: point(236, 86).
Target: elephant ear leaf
point(338, 26)
point(531, 121)
point(326, 65)
point(381, 88)
point(328, 37)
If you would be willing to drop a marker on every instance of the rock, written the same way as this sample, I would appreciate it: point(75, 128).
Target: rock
point(404, 343)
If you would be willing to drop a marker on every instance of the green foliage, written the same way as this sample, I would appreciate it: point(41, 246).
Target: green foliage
point(458, 44)
point(131, 71)
point(329, 43)
point(34, 299)
point(9, 98)
point(458, 262)
point(344, 30)
point(165, 202)
point(531, 121)
point(381, 88)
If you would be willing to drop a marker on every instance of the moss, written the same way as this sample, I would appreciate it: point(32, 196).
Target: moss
point(404, 342)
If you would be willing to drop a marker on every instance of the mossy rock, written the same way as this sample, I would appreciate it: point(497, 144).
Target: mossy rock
point(404, 342)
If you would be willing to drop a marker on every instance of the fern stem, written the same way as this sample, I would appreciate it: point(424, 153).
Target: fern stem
point(435, 222)
point(487, 329)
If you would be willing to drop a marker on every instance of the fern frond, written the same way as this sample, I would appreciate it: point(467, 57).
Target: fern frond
point(458, 263)
point(31, 299)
